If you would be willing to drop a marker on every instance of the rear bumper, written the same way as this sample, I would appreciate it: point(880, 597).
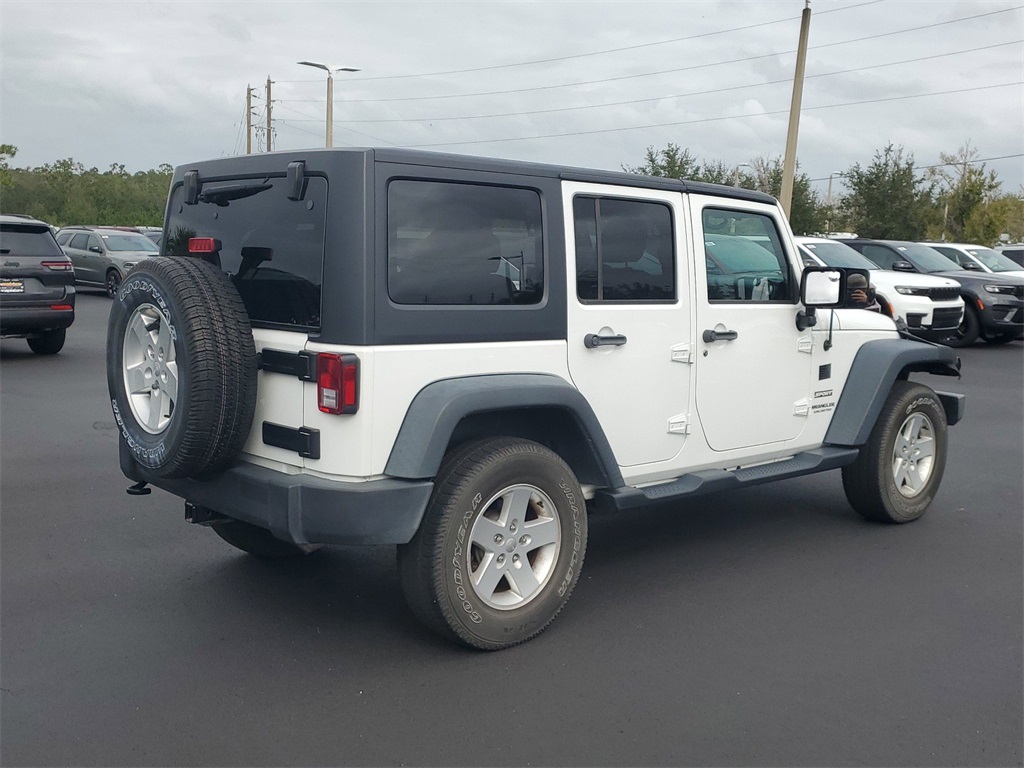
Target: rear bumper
point(34, 318)
point(303, 509)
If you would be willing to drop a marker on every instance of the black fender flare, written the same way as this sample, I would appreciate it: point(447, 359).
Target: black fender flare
point(875, 367)
point(437, 409)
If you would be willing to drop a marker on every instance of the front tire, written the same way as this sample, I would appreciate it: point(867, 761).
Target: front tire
point(968, 331)
point(49, 343)
point(500, 547)
point(898, 471)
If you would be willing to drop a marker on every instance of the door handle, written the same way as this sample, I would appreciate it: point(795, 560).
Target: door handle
point(711, 335)
point(592, 340)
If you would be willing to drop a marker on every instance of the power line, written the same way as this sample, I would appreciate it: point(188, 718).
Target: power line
point(676, 69)
point(712, 119)
point(672, 96)
point(590, 53)
point(943, 165)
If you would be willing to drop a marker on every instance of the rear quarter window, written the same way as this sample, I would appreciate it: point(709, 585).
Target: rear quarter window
point(463, 244)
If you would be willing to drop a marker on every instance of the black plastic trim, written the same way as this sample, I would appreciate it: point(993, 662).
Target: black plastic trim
point(713, 480)
point(437, 409)
point(299, 364)
point(303, 440)
point(303, 509)
point(877, 365)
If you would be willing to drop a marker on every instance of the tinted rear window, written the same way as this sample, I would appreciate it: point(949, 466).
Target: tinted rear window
point(28, 240)
point(272, 247)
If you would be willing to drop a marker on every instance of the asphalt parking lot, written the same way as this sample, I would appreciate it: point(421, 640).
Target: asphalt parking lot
point(769, 626)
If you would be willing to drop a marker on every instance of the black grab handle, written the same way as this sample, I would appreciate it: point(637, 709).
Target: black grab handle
point(710, 335)
point(592, 340)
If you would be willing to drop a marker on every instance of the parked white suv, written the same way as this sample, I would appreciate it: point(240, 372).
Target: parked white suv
point(930, 307)
point(978, 258)
point(466, 357)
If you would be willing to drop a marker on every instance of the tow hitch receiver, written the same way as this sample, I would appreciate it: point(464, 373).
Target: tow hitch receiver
point(202, 515)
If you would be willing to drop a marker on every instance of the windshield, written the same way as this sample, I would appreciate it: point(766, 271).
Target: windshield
point(840, 255)
point(994, 260)
point(925, 259)
point(128, 242)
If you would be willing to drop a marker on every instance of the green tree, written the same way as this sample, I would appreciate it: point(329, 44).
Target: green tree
point(887, 199)
point(7, 151)
point(965, 197)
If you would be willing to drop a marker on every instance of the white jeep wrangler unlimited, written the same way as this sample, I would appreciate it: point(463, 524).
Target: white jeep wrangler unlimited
point(466, 356)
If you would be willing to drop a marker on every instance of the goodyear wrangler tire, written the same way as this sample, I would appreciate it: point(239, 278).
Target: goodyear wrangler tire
point(898, 471)
point(500, 547)
point(181, 367)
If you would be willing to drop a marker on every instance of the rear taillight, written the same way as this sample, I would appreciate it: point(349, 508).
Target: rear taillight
point(62, 307)
point(203, 245)
point(337, 383)
point(58, 266)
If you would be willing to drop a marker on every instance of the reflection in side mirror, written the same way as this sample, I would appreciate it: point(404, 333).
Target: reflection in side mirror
point(821, 287)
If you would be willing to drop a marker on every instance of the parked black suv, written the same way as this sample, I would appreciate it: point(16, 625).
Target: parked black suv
point(37, 284)
point(993, 304)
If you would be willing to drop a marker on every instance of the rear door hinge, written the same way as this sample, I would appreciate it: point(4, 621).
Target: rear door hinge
point(805, 344)
point(679, 425)
point(801, 408)
point(682, 353)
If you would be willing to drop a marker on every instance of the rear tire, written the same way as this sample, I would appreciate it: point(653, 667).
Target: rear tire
point(49, 343)
point(500, 547)
point(898, 471)
point(257, 541)
point(112, 282)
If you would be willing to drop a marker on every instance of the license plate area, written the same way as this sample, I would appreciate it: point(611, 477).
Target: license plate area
point(11, 286)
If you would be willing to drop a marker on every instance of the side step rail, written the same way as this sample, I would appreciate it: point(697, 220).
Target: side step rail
point(713, 480)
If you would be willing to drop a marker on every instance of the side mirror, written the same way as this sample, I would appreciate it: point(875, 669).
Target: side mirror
point(905, 266)
point(822, 287)
point(95, 249)
point(970, 266)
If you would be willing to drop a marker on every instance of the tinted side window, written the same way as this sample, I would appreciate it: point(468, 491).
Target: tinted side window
point(879, 254)
point(80, 241)
point(270, 245)
point(94, 242)
point(463, 244)
point(744, 257)
point(63, 238)
point(624, 250)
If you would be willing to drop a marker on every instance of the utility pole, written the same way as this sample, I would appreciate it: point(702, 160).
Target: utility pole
point(248, 120)
point(789, 162)
point(269, 105)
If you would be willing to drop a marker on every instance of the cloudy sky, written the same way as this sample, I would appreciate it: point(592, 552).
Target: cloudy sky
point(583, 83)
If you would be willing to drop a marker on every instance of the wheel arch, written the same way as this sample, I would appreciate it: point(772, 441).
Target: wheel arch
point(539, 407)
point(876, 366)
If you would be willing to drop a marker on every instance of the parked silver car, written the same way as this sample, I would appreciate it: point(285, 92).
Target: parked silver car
point(104, 255)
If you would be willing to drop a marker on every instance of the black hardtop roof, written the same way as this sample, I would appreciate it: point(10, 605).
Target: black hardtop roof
point(278, 161)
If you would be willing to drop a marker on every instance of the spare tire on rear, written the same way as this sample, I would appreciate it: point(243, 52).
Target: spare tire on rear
point(181, 367)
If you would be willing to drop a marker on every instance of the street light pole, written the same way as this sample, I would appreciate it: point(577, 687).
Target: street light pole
point(736, 174)
point(330, 93)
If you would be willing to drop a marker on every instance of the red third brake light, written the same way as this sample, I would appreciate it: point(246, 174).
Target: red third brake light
point(337, 383)
point(203, 245)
